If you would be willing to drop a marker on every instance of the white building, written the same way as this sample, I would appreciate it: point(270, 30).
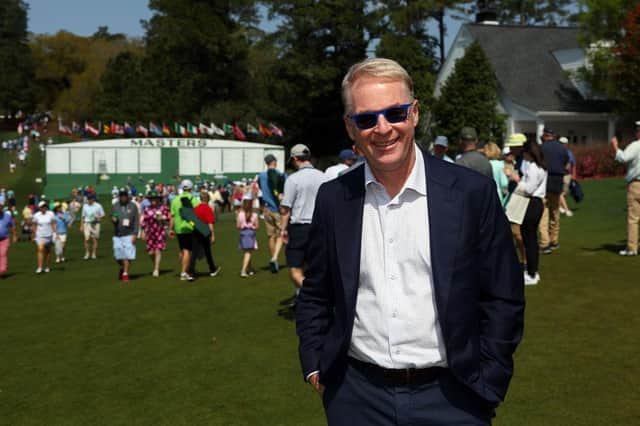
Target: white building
point(538, 84)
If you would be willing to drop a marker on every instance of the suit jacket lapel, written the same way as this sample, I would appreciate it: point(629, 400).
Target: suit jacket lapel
point(348, 230)
point(445, 212)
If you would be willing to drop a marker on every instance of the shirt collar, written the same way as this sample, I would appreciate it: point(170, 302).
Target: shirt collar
point(417, 180)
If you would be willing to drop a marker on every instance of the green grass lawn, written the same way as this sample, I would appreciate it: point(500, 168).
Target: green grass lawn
point(80, 348)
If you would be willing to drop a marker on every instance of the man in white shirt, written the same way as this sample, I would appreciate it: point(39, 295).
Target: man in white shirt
point(413, 300)
point(296, 210)
point(347, 159)
point(92, 214)
point(631, 157)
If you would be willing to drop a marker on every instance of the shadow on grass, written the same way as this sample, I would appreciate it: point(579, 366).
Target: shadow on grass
point(612, 248)
point(287, 313)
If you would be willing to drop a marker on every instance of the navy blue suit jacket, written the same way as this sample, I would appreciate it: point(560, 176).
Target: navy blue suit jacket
point(477, 278)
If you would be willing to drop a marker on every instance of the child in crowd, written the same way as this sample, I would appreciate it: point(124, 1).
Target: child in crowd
point(63, 220)
point(247, 222)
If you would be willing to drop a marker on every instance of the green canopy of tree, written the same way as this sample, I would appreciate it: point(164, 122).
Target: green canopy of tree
point(469, 97)
point(16, 64)
point(68, 70)
point(609, 34)
point(197, 53)
point(318, 42)
point(124, 90)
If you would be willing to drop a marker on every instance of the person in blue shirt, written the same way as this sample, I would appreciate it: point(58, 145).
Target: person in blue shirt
point(566, 181)
point(271, 184)
point(7, 225)
point(63, 220)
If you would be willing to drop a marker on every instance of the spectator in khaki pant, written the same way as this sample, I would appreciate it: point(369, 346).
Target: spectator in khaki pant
point(556, 157)
point(631, 156)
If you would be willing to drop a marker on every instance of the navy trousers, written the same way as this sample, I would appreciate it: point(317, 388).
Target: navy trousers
point(362, 400)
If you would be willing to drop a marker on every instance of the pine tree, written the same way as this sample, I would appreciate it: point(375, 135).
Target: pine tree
point(318, 42)
point(469, 97)
point(16, 62)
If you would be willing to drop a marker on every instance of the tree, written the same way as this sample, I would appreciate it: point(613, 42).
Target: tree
point(16, 64)
point(124, 93)
point(318, 42)
point(68, 70)
point(469, 97)
point(103, 33)
point(197, 54)
point(609, 34)
point(625, 68)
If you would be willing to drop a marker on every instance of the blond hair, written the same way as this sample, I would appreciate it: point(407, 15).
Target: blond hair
point(492, 151)
point(382, 68)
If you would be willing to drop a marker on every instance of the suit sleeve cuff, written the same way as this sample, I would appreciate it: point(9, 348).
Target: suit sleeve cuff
point(311, 374)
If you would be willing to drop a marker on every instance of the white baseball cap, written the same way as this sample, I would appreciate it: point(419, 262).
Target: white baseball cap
point(563, 140)
point(186, 184)
point(300, 150)
point(442, 141)
point(506, 150)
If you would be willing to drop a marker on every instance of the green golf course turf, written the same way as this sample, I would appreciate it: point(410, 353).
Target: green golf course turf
point(78, 347)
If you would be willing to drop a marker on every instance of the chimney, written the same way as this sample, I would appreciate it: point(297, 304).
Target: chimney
point(487, 12)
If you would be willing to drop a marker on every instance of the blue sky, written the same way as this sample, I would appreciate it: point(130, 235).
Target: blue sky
point(83, 17)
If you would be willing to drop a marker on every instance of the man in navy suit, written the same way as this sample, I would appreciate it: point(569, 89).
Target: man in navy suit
point(413, 301)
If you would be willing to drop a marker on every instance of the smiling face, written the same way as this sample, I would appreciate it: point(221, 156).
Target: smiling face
point(388, 147)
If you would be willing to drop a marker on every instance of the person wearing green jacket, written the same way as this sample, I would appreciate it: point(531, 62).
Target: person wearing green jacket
point(182, 226)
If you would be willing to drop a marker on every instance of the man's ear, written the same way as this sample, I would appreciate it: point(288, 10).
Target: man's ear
point(415, 114)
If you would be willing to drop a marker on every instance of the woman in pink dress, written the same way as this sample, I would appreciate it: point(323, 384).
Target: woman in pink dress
point(155, 222)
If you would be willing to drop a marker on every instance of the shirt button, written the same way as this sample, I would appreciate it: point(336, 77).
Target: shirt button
point(391, 240)
point(395, 314)
point(392, 277)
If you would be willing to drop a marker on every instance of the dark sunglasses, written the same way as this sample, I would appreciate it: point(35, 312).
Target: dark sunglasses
point(394, 114)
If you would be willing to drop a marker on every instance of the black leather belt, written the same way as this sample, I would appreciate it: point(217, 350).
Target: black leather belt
point(397, 377)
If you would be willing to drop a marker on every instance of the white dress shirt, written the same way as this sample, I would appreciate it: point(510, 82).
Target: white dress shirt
point(396, 323)
point(534, 180)
point(631, 157)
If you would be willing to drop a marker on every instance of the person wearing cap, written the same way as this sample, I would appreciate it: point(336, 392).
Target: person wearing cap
point(92, 214)
point(126, 220)
point(347, 159)
point(182, 228)
point(471, 157)
point(43, 232)
point(567, 178)
point(631, 157)
point(440, 148)
point(271, 184)
point(513, 159)
point(296, 210)
point(155, 222)
point(413, 300)
point(8, 235)
point(556, 157)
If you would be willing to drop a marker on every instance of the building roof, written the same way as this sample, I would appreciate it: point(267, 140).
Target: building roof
point(527, 70)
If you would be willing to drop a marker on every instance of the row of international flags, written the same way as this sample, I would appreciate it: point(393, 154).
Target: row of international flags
point(163, 130)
